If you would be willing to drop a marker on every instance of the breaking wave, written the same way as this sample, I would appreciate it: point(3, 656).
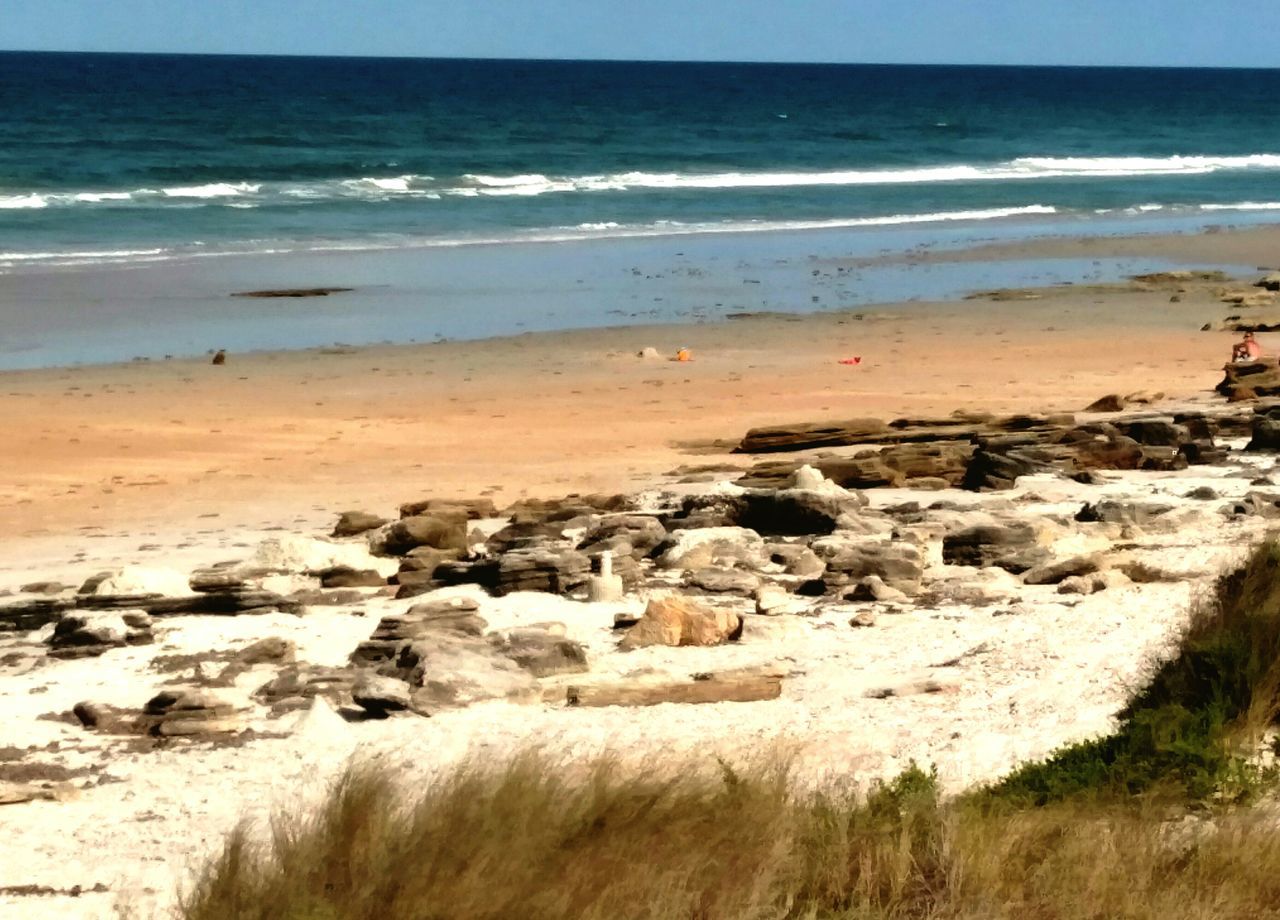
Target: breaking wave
point(476, 185)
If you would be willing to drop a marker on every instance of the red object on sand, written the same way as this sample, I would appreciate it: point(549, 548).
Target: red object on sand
point(854, 360)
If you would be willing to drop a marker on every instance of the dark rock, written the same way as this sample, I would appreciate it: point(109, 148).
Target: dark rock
point(45, 587)
point(1053, 573)
point(22, 616)
point(380, 696)
point(473, 509)
point(1112, 402)
point(1204, 494)
point(433, 530)
point(483, 572)
point(899, 565)
point(1266, 433)
point(633, 534)
point(1255, 504)
point(986, 544)
point(557, 571)
point(270, 650)
point(808, 436)
point(1118, 512)
point(1155, 432)
point(1250, 379)
point(82, 635)
point(524, 535)
point(454, 615)
point(346, 577)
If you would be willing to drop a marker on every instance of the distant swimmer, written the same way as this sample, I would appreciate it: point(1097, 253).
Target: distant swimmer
point(1247, 349)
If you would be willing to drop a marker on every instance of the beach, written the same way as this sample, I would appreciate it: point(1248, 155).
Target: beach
point(416, 414)
point(96, 448)
point(158, 470)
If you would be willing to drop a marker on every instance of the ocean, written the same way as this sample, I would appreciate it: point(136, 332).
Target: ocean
point(136, 158)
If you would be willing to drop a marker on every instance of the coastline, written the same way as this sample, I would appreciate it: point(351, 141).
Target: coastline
point(165, 469)
point(103, 448)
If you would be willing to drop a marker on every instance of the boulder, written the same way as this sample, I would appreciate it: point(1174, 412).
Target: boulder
point(1053, 573)
point(473, 509)
point(772, 600)
point(438, 531)
point(138, 581)
point(1250, 379)
point(554, 570)
point(635, 534)
point(88, 634)
point(25, 615)
point(812, 435)
point(380, 696)
point(1112, 402)
point(873, 588)
point(675, 620)
point(455, 615)
point(450, 670)
point(797, 512)
point(343, 576)
point(352, 523)
point(796, 559)
point(269, 650)
point(986, 545)
point(182, 711)
point(542, 650)
point(296, 554)
point(1254, 504)
point(897, 564)
point(1109, 511)
point(1265, 432)
point(727, 547)
point(723, 581)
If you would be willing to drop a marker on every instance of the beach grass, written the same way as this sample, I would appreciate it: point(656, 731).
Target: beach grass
point(1149, 822)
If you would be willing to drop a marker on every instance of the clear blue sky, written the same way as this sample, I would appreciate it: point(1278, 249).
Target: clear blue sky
point(1154, 32)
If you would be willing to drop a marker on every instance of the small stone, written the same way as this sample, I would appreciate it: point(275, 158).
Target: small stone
point(865, 618)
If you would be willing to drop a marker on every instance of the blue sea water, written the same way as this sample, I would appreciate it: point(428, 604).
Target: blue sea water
point(132, 158)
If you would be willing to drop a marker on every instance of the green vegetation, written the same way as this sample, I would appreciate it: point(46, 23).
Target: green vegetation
point(1184, 734)
point(1103, 829)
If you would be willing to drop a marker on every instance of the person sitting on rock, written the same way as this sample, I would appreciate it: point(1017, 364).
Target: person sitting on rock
point(1247, 349)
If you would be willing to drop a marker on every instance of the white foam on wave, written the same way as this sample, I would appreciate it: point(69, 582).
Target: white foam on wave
point(75, 254)
point(22, 202)
point(1243, 206)
point(475, 185)
point(212, 190)
point(96, 197)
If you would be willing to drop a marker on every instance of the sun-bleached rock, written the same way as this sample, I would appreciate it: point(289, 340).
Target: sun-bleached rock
point(293, 554)
point(675, 620)
point(142, 581)
point(719, 546)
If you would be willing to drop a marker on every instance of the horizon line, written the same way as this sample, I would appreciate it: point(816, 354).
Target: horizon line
point(624, 60)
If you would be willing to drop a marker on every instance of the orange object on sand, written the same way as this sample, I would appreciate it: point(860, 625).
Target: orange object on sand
point(684, 354)
point(856, 359)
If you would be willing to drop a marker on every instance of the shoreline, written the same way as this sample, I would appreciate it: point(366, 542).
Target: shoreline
point(544, 413)
point(90, 315)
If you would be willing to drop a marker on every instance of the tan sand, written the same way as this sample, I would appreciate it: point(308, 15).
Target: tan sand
point(100, 449)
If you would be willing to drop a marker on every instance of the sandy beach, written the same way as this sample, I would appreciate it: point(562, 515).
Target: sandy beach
point(99, 448)
point(179, 465)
